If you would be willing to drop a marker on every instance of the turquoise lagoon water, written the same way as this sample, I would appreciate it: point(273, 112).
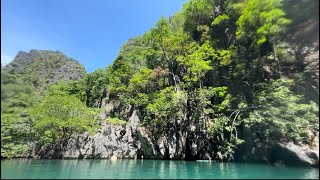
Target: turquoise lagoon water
point(138, 169)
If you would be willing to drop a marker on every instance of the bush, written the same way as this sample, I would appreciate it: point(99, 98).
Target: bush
point(283, 115)
point(58, 117)
point(115, 121)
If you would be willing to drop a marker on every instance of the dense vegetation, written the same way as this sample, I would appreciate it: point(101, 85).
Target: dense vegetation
point(218, 67)
point(23, 86)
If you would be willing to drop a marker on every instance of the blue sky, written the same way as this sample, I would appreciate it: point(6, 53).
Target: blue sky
point(90, 31)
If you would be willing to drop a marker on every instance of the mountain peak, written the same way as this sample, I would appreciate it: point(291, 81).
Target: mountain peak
point(43, 67)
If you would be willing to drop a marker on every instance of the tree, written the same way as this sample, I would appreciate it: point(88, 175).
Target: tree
point(15, 127)
point(260, 25)
point(171, 44)
point(198, 62)
point(282, 116)
point(197, 13)
point(15, 133)
point(57, 118)
point(261, 21)
point(139, 82)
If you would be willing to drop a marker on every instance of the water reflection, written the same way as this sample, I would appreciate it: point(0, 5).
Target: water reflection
point(137, 169)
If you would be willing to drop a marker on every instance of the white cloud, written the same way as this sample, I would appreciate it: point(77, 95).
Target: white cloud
point(5, 58)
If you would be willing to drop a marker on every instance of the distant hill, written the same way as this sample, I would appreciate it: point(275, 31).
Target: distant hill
point(23, 84)
point(42, 67)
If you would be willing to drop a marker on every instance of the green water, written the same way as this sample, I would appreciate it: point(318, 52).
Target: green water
point(29, 168)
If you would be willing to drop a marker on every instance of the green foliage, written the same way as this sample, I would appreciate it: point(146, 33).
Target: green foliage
point(163, 109)
point(60, 89)
point(8, 78)
point(15, 133)
point(22, 82)
point(261, 19)
point(220, 125)
point(222, 129)
point(141, 99)
point(197, 12)
point(92, 86)
point(220, 19)
point(198, 62)
point(171, 44)
point(211, 62)
point(115, 121)
point(58, 117)
point(225, 57)
point(283, 115)
point(140, 80)
point(162, 104)
point(207, 71)
point(12, 149)
point(15, 129)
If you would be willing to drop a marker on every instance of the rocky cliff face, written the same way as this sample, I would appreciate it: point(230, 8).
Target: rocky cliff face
point(291, 154)
point(111, 140)
point(135, 141)
point(303, 39)
point(130, 141)
point(127, 141)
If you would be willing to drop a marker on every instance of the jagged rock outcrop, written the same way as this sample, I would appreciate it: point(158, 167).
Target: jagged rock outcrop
point(288, 154)
point(111, 140)
point(280, 153)
point(291, 154)
point(130, 141)
point(127, 141)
